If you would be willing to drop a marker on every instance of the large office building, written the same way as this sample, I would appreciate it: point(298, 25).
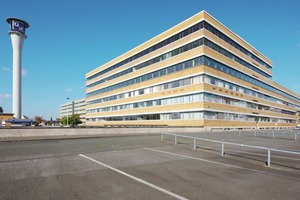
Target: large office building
point(196, 74)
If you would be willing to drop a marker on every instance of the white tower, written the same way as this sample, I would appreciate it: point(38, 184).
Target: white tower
point(17, 34)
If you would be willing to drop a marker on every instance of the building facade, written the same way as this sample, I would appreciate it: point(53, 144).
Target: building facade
point(4, 118)
point(74, 107)
point(196, 74)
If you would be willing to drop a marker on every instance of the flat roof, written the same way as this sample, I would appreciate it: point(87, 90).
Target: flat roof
point(6, 114)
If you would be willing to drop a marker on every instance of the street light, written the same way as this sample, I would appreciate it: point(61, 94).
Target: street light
point(67, 113)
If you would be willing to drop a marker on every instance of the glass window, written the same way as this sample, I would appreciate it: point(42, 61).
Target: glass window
point(162, 72)
point(170, 70)
point(149, 103)
point(175, 84)
point(213, 81)
point(158, 102)
point(141, 91)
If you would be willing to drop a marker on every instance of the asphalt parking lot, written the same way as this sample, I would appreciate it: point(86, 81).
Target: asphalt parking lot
point(143, 167)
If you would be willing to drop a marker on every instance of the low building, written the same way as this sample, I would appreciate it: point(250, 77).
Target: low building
point(21, 122)
point(4, 117)
point(196, 74)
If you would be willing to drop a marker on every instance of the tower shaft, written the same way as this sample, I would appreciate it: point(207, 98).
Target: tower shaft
point(17, 43)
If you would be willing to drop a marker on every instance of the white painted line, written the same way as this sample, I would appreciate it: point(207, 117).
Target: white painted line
point(136, 179)
point(219, 163)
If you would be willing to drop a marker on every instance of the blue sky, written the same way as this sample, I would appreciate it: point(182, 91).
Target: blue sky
point(68, 38)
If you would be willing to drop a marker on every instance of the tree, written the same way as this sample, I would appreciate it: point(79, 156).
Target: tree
point(1, 109)
point(63, 120)
point(73, 120)
point(38, 120)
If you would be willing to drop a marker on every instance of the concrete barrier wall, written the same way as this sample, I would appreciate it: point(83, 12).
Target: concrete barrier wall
point(31, 133)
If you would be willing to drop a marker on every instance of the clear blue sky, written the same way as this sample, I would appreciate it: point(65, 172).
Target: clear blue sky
point(68, 38)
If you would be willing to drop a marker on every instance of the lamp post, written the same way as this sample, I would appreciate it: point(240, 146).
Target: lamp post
point(67, 113)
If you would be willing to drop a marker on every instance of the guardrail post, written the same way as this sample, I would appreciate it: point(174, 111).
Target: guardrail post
point(254, 133)
point(222, 150)
point(175, 142)
point(269, 158)
point(194, 143)
point(273, 134)
point(162, 137)
point(295, 136)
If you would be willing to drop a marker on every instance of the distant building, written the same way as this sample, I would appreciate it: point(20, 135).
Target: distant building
point(196, 74)
point(74, 107)
point(4, 117)
point(21, 122)
point(8, 119)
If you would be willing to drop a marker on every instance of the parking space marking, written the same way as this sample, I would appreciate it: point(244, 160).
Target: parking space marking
point(135, 178)
point(219, 163)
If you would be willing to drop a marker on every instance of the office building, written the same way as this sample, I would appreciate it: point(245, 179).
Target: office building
point(196, 74)
point(74, 107)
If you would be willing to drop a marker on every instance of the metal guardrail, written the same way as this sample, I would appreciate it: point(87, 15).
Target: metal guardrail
point(273, 132)
point(269, 150)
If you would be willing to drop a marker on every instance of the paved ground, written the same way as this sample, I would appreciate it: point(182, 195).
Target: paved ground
point(143, 167)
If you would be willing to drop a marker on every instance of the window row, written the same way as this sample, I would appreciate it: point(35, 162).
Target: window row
point(176, 37)
point(194, 80)
point(155, 74)
point(244, 104)
point(151, 89)
point(152, 61)
point(200, 97)
point(180, 50)
point(167, 41)
point(240, 89)
point(228, 70)
point(192, 63)
point(221, 35)
point(226, 53)
point(193, 116)
point(195, 44)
